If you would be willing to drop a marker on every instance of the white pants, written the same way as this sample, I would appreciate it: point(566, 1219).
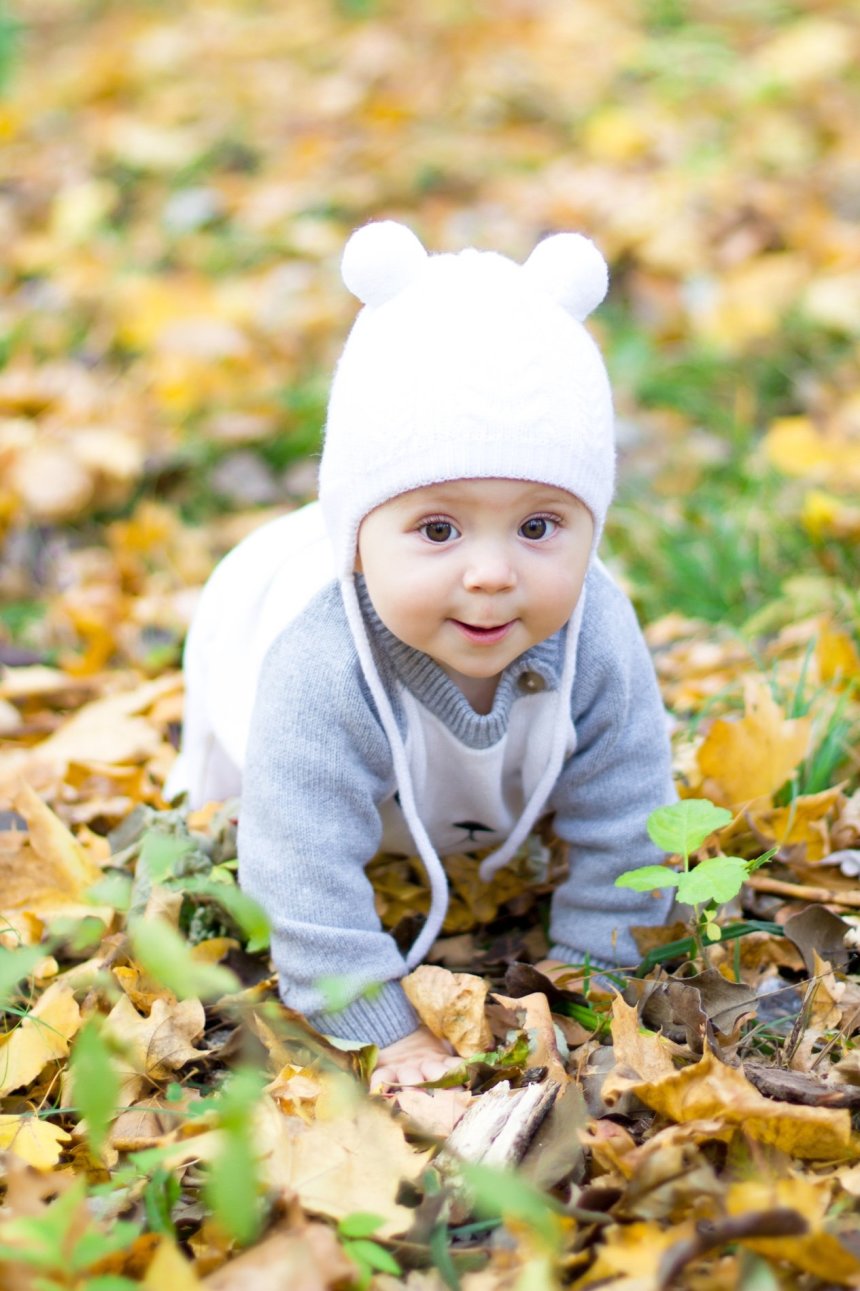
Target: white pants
point(251, 596)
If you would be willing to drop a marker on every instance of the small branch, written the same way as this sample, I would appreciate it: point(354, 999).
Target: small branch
point(801, 892)
point(779, 1222)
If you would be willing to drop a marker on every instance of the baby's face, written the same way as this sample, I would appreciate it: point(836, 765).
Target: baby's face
point(474, 572)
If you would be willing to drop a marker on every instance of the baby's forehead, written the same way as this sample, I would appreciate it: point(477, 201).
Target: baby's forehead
point(484, 491)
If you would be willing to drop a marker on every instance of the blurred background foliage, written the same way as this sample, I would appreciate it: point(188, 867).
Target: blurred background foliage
point(177, 183)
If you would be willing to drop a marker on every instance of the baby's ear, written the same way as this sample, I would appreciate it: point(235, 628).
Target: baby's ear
point(571, 269)
point(380, 259)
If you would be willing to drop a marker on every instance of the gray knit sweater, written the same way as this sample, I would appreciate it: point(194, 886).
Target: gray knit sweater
point(319, 774)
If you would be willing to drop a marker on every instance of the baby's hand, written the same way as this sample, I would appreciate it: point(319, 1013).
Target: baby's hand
point(419, 1056)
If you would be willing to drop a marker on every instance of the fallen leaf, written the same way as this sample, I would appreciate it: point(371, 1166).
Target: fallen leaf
point(452, 1006)
point(33, 1139)
point(352, 1157)
point(170, 1268)
point(640, 1055)
point(818, 1252)
point(71, 867)
point(710, 1090)
point(155, 1047)
point(532, 1013)
point(818, 933)
point(433, 1112)
point(306, 1258)
point(753, 756)
point(800, 831)
point(42, 1037)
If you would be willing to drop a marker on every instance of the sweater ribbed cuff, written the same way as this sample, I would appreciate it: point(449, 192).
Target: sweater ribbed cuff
point(387, 1017)
point(576, 958)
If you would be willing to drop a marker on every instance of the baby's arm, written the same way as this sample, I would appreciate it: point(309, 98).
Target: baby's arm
point(318, 765)
point(620, 772)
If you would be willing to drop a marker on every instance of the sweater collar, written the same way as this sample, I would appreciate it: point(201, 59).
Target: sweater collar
point(537, 669)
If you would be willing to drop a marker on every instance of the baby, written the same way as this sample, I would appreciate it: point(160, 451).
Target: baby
point(431, 659)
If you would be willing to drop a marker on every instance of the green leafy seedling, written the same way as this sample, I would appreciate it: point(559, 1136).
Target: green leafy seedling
point(356, 1237)
point(95, 1082)
point(233, 1185)
point(54, 1247)
point(681, 829)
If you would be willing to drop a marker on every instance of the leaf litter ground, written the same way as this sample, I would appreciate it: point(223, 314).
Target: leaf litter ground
point(171, 306)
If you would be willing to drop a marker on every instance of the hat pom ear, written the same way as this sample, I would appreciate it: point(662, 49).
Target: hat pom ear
point(570, 267)
point(380, 259)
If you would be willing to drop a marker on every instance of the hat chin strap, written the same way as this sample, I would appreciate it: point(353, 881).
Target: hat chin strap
point(432, 863)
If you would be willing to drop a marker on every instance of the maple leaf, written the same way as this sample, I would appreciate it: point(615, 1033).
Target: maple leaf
point(753, 756)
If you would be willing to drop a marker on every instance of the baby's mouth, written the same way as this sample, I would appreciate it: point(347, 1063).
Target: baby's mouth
point(484, 636)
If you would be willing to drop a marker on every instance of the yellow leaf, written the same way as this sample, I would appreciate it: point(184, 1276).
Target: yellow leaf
point(42, 1037)
point(838, 657)
point(351, 1158)
point(803, 824)
point(753, 756)
point(53, 843)
point(452, 1006)
point(797, 447)
point(156, 1046)
point(33, 1139)
point(106, 730)
point(817, 1252)
point(710, 1090)
point(616, 133)
point(631, 1254)
point(824, 514)
point(170, 1268)
point(639, 1054)
point(750, 300)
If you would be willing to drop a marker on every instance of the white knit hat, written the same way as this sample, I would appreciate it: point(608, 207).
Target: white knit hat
point(464, 366)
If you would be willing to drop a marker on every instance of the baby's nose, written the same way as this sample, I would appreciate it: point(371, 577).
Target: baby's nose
point(489, 571)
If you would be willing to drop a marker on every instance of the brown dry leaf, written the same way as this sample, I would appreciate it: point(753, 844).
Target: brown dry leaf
point(755, 755)
point(107, 730)
point(42, 1037)
point(145, 1125)
point(822, 1013)
point(154, 1047)
point(434, 1112)
point(533, 1016)
point(33, 1139)
point(352, 1157)
point(639, 1054)
point(710, 1090)
point(305, 1258)
point(452, 1006)
point(818, 1252)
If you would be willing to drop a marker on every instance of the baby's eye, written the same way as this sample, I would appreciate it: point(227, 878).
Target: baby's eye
point(538, 527)
point(438, 531)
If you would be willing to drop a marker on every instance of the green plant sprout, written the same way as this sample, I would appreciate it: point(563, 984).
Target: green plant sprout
point(681, 829)
point(355, 1233)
